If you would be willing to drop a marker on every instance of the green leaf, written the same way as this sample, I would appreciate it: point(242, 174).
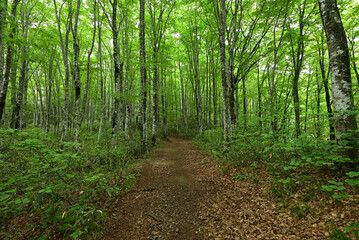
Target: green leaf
point(108, 192)
point(342, 195)
point(287, 180)
point(335, 183)
point(4, 197)
point(348, 228)
point(29, 188)
point(43, 237)
point(4, 208)
point(94, 178)
point(288, 168)
point(70, 175)
point(328, 188)
point(353, 174)
point(352, 182)
point(45, 190)
point(76, 234)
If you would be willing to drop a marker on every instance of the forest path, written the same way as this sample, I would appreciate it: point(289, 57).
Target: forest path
point(183, 195)
point(164, 202)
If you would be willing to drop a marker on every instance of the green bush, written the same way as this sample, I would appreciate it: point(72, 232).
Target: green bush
point(60, 183)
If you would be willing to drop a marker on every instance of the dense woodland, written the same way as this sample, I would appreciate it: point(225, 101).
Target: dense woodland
point(88, 86)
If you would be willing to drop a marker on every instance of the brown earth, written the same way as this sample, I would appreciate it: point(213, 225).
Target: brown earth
point(182, 194)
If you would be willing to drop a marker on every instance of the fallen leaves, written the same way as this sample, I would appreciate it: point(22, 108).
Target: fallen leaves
point(197, 197)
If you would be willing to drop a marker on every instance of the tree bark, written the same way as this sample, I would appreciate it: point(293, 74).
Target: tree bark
point(77, 81)
point(23, 69)
point(297, 57)
point(214, 87)
point(103, 99)
point(3, 9)
point(5, 82)
point(158, 27)
point(64, 49)
point(13, 86)
point(143, 90)
point(87, 84)
point(343, 102)
point(127, 112)
point(245, 106)
point(118, 70)
point(184, 102)
point(49, 93)
point(225, 70)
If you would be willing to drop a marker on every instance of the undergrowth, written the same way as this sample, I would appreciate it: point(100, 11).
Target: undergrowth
point(299, 170)
point(59, 190)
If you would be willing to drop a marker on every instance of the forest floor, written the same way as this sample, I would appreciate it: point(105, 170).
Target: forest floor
point(182, 194)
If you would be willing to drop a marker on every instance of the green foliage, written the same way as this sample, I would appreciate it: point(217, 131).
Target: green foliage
point(211, 141)
point(254, 178)
point(352, 229)
point(283, 188)
point(289, 160)
point(239, 177)
point(338, 188)
point(60, 183)
point(352, 182)
point(300, 211)
point(337, 234)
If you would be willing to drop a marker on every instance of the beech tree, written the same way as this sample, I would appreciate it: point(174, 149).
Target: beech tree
point(229, 66)
point(143, 70)
point(343, 102)
point(6, 77)
point(64, 43)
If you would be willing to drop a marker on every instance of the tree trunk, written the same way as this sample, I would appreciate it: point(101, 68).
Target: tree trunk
point(23, 69)
point(64, 50)
point(127, 102)
point(5, 82)
point(23, 112)
point(319, 90)
point(143, 90)
point(164, 105)
point(343, 102)
point(326, 89)
point(307, 102)
point(198, 88)
point(13, 86)
point(118, 71)
point(214, 87)
point(49, 92)
point(259, 87)
point(225, 71)
point(77, 81)
point(87, 84)
point(298, 63)
point(244, 104)
point(3, 9)
point(155, 97)
point(184, 102)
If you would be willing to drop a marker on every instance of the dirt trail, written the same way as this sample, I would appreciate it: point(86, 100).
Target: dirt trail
point(181, 194)
point(164, 201)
